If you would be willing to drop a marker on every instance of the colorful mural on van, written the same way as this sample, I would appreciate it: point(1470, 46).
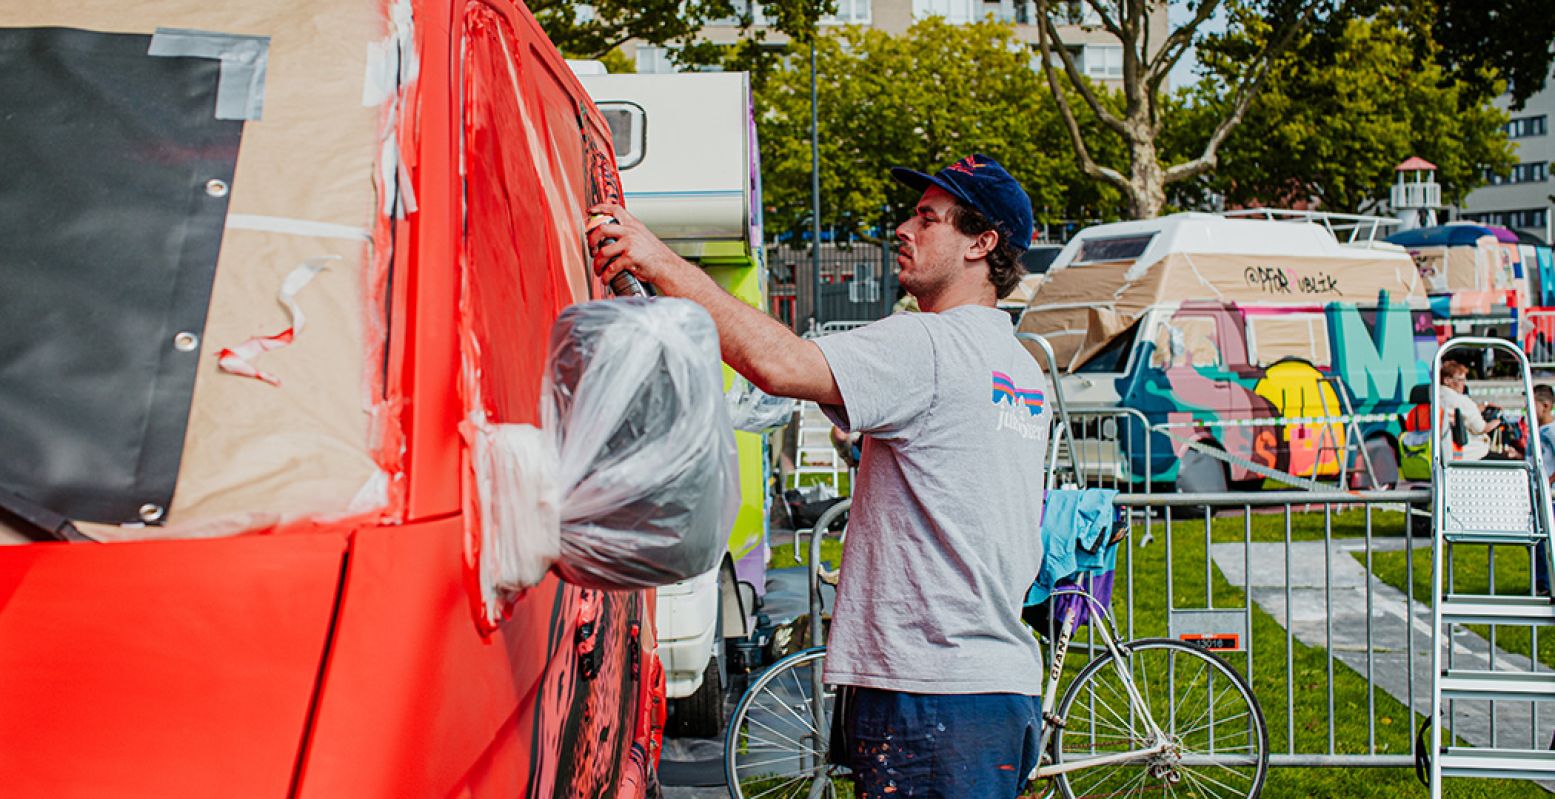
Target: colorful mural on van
point(1251, 405)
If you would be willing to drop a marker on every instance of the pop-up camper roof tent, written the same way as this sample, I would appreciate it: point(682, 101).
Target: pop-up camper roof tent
point(1108, 276)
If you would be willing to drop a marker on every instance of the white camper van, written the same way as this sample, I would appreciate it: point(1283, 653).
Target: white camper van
point(1229, 335)
point(686, 148)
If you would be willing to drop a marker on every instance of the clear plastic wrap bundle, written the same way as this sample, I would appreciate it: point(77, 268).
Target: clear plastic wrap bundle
point(755, 411)
point(647, 461)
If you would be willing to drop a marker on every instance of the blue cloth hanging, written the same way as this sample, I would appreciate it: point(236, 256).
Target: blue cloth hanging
point(1076, 525)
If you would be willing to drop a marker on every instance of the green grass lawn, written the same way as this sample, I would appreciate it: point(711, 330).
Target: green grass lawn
point(1309, 727)
point(1471, 567)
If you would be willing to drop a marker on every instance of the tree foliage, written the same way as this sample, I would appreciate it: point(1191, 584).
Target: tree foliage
point(1338, 112)
point(923, 99)
point(1481, 40)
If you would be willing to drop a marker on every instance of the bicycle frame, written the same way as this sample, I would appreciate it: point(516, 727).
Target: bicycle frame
point(1109, 636)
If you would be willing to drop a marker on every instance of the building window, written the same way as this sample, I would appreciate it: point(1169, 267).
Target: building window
point(1523, 127)
point(1020, 12)
point(849, 12)
point(655, 61)
point(1532, 172)
point(742, 8)
point(952, 10)
point(1528, 218)
point(1102, 61)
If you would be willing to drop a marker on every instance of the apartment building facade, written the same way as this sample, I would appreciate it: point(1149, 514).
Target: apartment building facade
point(1524, 200)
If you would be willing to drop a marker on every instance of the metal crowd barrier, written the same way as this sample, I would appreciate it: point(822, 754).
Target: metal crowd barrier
point(1267, 580)
point(1103, 447)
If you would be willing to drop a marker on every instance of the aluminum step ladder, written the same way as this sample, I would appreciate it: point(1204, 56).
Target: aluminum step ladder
point(814, 452)
point(1497, 504)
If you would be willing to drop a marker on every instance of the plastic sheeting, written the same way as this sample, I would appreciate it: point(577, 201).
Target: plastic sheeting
point(752, 410)
point(631, 481)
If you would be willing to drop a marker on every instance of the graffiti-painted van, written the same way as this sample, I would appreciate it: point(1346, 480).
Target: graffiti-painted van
point(1225, 333)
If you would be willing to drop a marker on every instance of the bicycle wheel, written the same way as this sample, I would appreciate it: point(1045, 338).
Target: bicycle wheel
point(1217, 742)
point(775, 746)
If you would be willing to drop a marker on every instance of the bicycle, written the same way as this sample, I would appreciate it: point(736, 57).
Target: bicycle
point(1148, 715)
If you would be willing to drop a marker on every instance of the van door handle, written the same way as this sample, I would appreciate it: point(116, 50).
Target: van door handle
point(1221, 383)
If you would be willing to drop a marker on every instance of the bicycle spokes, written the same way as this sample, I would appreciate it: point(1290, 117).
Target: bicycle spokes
point(1174, 720)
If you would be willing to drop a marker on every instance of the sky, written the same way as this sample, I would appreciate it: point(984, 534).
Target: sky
point(1177, 14)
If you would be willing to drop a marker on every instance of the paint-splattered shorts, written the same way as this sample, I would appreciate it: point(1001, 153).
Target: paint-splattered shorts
point(942, 746)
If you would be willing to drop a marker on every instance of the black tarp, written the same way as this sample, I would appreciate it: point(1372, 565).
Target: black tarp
point(109, 230)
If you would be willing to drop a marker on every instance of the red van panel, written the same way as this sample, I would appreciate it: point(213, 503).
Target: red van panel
point(158, 669)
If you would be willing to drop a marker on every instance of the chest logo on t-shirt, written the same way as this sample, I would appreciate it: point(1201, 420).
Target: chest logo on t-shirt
point(1005, 392)
point(1010, 399)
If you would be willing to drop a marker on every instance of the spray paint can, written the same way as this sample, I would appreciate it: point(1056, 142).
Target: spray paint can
point(624, 284)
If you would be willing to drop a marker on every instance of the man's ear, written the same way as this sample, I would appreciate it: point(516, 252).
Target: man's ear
point(982, 246)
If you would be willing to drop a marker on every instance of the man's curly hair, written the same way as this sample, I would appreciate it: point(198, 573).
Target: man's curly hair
point(1004, 269)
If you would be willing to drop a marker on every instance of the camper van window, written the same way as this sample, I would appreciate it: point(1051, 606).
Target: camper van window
point(1112, 358)
point(1117, 248)
point(1186, 341)
point(628, 131)
point(1039, 257)
point(1298, 335)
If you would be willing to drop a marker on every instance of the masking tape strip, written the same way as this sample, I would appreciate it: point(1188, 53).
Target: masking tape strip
point(238, 360)
point(392, 61)
point(240, 91)
point(297, 227)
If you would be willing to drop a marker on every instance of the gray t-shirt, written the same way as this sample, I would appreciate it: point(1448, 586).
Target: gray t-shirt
point(943, 539)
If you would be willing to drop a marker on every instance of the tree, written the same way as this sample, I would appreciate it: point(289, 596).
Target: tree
point(1140, 122)
point(1481, 40)
point(923, 99)
point(592, 29)
point(1340, 110)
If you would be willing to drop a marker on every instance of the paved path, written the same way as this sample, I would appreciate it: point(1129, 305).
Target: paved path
point(1338, 620)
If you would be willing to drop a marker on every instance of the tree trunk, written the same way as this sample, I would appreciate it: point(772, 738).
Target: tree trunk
point(1146, 178)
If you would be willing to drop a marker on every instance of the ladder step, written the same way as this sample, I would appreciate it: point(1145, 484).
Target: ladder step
point(1468, 761)
point(1482, 609)
point(1518, 537)
point(1484, 685)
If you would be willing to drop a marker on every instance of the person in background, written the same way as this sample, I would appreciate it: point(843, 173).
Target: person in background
point(1544, 405)
point(1455, 400)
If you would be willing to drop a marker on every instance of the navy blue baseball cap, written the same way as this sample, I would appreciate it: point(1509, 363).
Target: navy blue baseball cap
point(980, 182)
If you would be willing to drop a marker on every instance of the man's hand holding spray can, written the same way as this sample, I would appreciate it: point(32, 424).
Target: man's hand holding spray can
point(624, 284)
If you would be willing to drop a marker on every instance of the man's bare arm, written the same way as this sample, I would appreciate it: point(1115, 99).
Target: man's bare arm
point(756, 345)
